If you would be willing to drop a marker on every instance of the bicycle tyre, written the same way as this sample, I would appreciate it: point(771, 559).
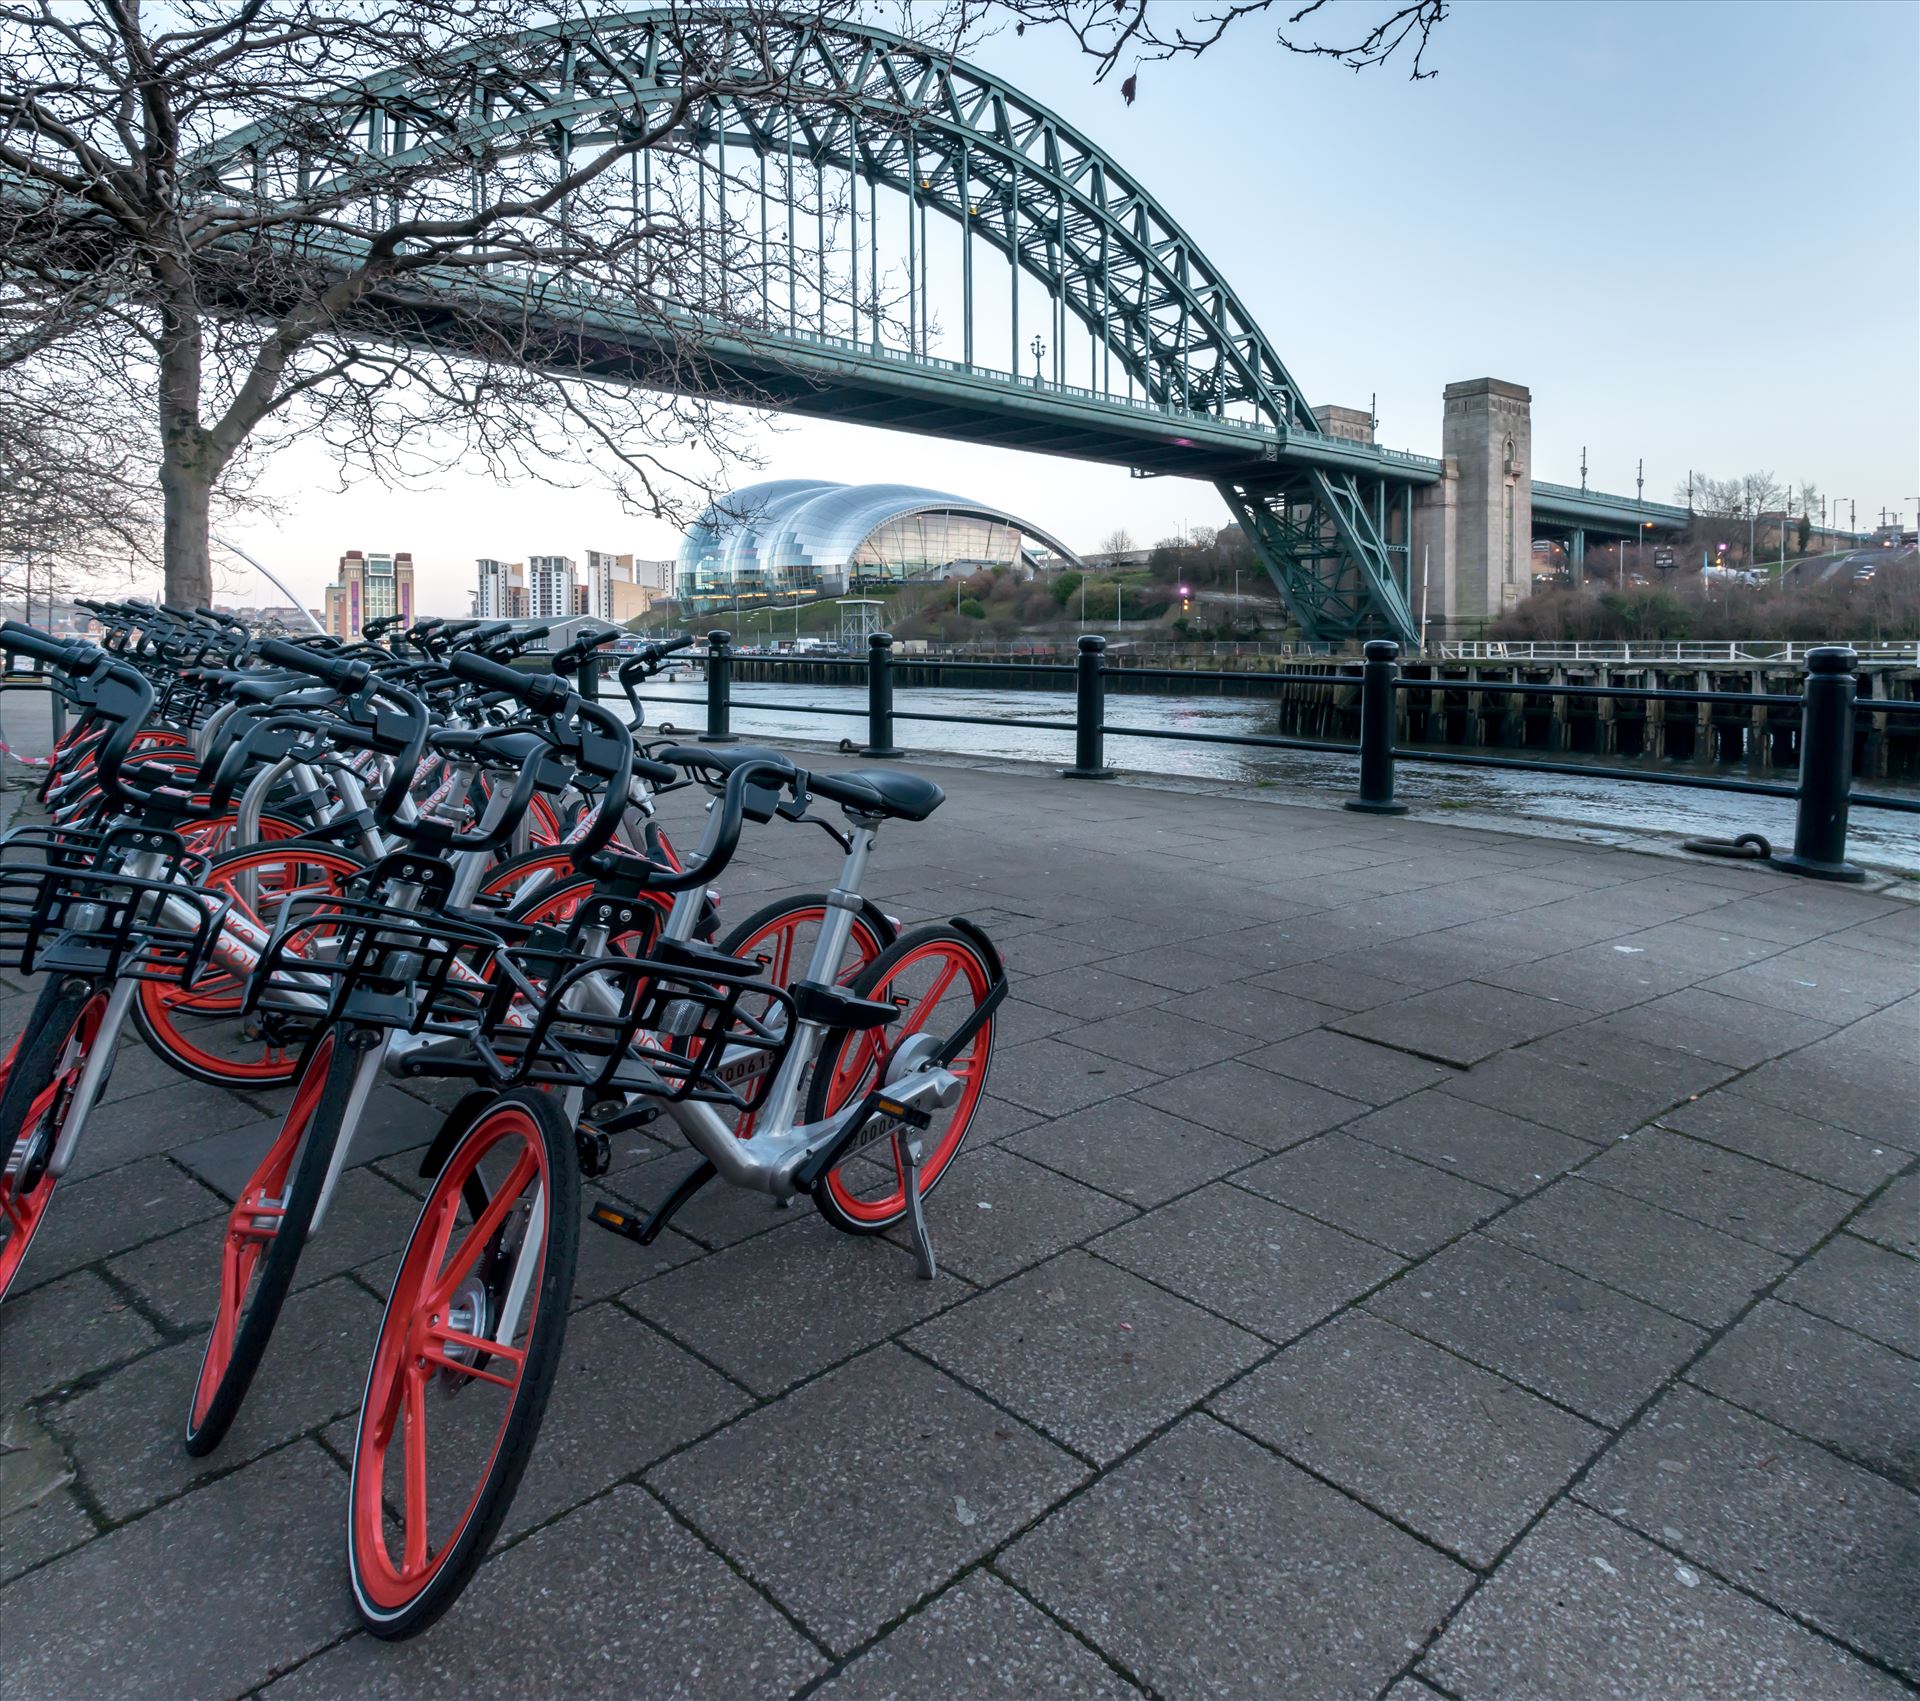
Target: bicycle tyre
point(160, 1006)
point(850, 1062)
point(294, 1169)
point(437, 1279)
point(39, 1073)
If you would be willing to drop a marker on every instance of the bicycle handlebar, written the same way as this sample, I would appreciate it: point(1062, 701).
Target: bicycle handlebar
point(342, 673)
point(544, 693)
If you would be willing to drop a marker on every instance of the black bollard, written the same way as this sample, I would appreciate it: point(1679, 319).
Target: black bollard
point(1089, 713)
point(719, 690)
point(880, 697)
point(1376, 731)
point(1826, 769)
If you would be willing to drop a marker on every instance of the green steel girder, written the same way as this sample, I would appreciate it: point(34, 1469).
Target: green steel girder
point(1325, 554)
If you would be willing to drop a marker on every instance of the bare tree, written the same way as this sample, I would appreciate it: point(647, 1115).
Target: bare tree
point(1117, 542)
point(1144, 32)
point(397, 266)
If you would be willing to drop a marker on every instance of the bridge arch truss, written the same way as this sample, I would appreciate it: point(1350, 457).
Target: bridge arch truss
point(803, 121)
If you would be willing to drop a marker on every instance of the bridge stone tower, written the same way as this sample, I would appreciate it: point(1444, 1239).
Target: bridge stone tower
point(1473, 531)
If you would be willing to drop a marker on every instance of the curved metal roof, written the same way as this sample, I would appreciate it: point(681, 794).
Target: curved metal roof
point(816, 523)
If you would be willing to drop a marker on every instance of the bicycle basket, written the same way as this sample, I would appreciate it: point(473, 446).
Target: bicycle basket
point(421, 972)
point(67, 902)
point(668, 1026)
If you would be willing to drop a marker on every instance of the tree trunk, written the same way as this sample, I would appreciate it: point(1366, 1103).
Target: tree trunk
point(186, 535)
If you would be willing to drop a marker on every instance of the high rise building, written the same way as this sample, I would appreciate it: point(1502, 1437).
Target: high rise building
point(502, 591)
point(623, 587)
point(369, 587)
point(550, 586)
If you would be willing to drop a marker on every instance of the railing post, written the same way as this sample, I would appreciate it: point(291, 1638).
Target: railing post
point(1089, 712)
point(1376, 731)
point(719, 690)
point(1826, 769)
point(880, 696)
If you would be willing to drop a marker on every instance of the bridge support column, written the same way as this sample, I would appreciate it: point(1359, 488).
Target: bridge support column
point(1475, 527)
point(1578, 557)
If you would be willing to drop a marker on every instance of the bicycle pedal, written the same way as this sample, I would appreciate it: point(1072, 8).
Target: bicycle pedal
point(619, 1222)
point(903, 1113)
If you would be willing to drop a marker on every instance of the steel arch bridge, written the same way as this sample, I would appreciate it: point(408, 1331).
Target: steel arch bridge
point(1179, 379)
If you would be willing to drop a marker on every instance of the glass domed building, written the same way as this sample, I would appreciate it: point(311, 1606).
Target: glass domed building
point(807, 537)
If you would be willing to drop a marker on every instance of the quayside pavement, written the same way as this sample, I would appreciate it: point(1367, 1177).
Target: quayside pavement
point(1394, 1260)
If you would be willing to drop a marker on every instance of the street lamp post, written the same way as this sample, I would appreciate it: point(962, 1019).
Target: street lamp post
point(1039, 347)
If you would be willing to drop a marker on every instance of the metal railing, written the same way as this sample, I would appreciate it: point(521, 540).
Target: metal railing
point(1651, 650)
point(1828, 710)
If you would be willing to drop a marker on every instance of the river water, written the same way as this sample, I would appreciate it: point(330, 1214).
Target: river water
point(1611, 811)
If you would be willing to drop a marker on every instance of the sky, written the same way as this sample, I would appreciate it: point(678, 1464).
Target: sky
point(1691, 229)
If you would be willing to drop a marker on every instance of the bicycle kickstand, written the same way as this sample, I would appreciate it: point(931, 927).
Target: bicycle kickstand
point(909, 1153)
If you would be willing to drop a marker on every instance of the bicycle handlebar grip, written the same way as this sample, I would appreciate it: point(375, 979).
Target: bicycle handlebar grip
point(43, 646)
point(544, 693)
point(341, 672)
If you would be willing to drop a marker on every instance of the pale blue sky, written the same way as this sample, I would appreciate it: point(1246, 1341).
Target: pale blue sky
point(1692, 229)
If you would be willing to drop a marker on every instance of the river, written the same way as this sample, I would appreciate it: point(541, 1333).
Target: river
point(1610, 811)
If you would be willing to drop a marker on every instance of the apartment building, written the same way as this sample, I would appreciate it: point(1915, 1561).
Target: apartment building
point(369, 587)
point(502, 590)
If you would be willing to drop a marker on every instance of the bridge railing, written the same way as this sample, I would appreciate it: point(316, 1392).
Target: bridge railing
point(1826, 710)
point(1667, 650)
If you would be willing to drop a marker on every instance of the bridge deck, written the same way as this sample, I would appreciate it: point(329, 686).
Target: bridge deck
point(1388, 1248)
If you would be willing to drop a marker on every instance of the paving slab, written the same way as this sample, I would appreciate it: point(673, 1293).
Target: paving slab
point(995, 1214)
point(787, 1304)
point(1727, 1117)
point(236, 1583)
point(1052, 1079)
point(1670, 1261)
point(1178, 968)
point(71, 1328)
point(1252, 1104)
point(1461, 1024)
point(1774, 1514)
point(1133, 1151)
point(1090, 1354)
point(1372, 1408)
point(1748, 1200)
point(1569, 1101)
point(1091, 994)
point(1408, 1207)
point(172, 1113)
point(1587, 1611)
point(1559, 1334)
point(1846, 1093)
point(866, 1490)
point(980, 1641)
point(1893, 1219)
point(92, 1219)
point(124, 1434)
point(1201, 1565)
point(1165, 1040)
point(1864, 1286)
point(614, 1600)
point(1355, 1068)
point(1725, 1030)
point(624, 1398)
point(51, 1526)
point(1260, 1013)
point(1356, 983)
point(1823, 1382)
point(1483, 1145)
point(1604, 1051)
